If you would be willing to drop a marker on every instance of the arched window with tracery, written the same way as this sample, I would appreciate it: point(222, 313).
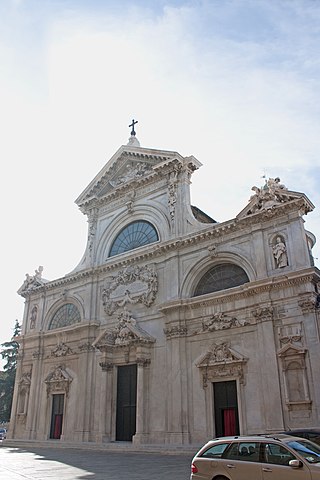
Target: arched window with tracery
point(65, 316)
point(135, 235)
point(221, 277)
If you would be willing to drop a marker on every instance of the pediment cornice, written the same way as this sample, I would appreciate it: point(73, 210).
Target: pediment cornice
point(154, 251)
point(130, 167)
point(245, 291)
point(127, 332)
point(267, 199)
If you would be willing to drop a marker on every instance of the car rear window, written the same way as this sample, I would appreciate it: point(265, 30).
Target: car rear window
point(215, 451)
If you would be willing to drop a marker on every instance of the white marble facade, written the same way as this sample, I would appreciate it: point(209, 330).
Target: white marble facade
point(166, 309)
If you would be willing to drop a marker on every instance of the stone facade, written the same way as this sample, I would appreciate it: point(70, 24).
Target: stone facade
point(218, 322)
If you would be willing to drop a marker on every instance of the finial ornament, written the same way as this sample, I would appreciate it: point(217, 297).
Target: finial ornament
point(132, 125)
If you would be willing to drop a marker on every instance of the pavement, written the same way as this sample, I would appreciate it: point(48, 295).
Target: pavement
point(30, 461)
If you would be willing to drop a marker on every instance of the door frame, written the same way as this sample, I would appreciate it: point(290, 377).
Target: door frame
point(209, 402)
point(117, 399)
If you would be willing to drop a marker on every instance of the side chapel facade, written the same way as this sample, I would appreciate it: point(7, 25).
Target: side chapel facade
point(173, 328)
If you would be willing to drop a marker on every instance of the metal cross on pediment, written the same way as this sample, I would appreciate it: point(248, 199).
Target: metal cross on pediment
point(132, 125)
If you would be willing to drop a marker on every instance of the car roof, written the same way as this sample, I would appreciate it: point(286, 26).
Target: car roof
point(303, 430)
point(256, 438)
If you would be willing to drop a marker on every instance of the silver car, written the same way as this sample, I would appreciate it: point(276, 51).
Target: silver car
point(260, 457)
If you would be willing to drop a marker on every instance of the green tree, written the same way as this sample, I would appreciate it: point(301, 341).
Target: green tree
point(9, 353)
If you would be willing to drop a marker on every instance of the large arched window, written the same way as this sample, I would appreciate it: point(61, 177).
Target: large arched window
point(134, 235)
point(67, 315)
point(221, 277)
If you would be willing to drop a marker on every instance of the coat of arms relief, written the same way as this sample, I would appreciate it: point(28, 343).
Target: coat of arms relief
point(133, 284)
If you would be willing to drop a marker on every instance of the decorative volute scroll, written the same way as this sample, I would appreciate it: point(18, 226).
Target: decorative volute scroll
point(221, 361)
point(58, 381)
point(126, 333)
point(134, 284)
point(271, 195)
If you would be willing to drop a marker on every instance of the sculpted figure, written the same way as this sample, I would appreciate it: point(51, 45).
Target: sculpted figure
point(280, 253)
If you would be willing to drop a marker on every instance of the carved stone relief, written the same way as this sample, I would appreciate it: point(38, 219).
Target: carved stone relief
point(58, 381)
point(221, 361)
point(172, 193)
point(221, 321)
point(263, 314)
point(130, 200)
point(127, 332)
point(175, 331)
point(212, 249)
point(133, 284)
point(61, 350)
point(32, 281)
point(308, 305)
point(134, 171)
point(86, 347)
point(92, 220)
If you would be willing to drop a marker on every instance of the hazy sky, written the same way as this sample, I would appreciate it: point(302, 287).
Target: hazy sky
point(234, 83)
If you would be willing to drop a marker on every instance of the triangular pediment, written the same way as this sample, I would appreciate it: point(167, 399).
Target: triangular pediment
point(129, 164)
point(126, 332)
point(270, 196)
point(219, 354)
point(290, 350)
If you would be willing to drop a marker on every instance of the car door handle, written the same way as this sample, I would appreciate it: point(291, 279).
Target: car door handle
point(231, 466)
point(267, 469)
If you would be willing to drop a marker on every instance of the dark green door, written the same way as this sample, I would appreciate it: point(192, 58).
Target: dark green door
point(126, 403)
point(226, 408)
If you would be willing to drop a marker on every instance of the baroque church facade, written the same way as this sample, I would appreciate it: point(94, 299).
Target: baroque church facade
point(173, 328)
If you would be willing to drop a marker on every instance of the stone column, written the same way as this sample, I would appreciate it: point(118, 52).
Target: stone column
point(141, 435)
point(106, 403)
point(177, 403)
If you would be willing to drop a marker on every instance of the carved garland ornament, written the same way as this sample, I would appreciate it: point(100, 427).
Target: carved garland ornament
point(175, 331)
point(221, 321)
point(133, 284)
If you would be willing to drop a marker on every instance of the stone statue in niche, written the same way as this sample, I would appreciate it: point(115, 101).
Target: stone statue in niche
point(33, 317)
point(279, 251)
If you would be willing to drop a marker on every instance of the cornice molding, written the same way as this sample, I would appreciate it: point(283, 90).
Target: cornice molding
point(215, 232)
point(246, 291)
point(160, 169)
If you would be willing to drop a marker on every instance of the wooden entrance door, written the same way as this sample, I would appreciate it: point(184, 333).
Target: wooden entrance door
point(226, 408)
point(57, 416)
point(126, 403)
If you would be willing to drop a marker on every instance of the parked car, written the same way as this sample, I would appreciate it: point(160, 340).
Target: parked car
point(311, 434)
point(3, 433)
point(257, 457)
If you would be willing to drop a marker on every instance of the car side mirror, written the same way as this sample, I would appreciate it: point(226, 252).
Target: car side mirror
point(295, 463)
